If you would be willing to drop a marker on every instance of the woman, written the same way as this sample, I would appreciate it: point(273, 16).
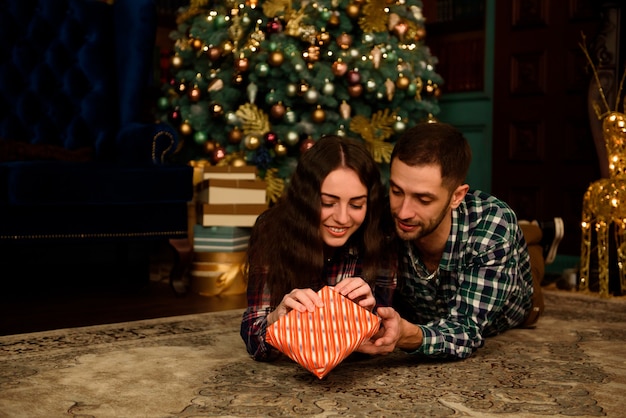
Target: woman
point(325, 230)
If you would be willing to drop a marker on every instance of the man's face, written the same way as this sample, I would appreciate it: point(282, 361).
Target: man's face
point(418, 199)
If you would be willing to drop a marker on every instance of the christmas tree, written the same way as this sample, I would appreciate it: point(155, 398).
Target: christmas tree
point(257, 82)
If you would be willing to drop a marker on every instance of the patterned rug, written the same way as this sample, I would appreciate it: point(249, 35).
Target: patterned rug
point(572, 364)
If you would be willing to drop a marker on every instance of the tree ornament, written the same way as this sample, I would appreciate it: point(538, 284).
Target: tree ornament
point(318, 115)
point(200, 137)
point(292, 138)
point(242, 64)
point(163, 103)
point(252, 91)
point(353, 77)
point(344, 41)
point(371, 85)
point(215, 53)
point(291, 117)
point(345, 110)
point(209, 147)
point(274, 26)
point(376, 56)
point(238, 79)
point(291, 90)
point(215, 85)
point(262, 69)
point(400, 30)
point(235, 136)
point(334, 20)
point(323, 38)
point(177, 61)
point(197, 44)
point(238, 162)
point(403, 82)
point(194, 94)
point(339, 68)
point(399, 127)
point(218, 154)
point(252, 142)
point(175, 116)
point(280, 149)
point(311, 96)
point(328, 89)
point(216, 110)
point(390, 88)
point(271, 139)
point(355, 90)
point(185, 128)
point(306, 145)
point(278, 110)
point(353, 10)
point(312, 54)
point(276, 58)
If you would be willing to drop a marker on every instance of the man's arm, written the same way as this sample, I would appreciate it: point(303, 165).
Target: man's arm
point(395, 333)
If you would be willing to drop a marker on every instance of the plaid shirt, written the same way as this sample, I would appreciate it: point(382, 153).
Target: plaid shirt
point(345, 264)
point(483, 285)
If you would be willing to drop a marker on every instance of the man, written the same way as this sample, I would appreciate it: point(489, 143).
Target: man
point(464, 268)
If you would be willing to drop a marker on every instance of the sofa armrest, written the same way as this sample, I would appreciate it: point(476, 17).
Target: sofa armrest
point(146, 143)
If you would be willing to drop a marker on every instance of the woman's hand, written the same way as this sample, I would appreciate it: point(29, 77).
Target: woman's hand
point(357, 290)
point(301, 300)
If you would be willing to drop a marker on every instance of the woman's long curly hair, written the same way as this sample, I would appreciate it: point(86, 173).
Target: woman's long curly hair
point(286, 240)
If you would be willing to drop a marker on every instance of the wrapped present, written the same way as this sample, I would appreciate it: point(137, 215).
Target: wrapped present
point(229, 215)
point(219, 273)
point(322, 339)
point(220, 239)
point(246, 172)
point(225, 191)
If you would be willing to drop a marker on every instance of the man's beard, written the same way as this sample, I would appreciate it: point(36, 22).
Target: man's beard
point(423, 229)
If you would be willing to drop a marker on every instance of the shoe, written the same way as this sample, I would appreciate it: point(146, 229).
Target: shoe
point(553, 232)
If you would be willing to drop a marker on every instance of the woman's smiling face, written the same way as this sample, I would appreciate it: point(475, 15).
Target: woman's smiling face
point(344, 206)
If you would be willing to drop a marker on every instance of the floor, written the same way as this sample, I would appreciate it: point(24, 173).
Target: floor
point(52, 300)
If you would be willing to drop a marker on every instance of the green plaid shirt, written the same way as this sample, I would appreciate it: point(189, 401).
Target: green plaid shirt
point(483, 285)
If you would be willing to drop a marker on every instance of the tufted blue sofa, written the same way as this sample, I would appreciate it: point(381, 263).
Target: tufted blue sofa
point(85, 170)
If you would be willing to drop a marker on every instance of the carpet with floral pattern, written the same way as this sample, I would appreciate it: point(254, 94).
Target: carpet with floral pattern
point(572, 364)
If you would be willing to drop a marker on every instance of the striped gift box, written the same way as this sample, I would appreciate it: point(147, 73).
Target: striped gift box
point(322, 339)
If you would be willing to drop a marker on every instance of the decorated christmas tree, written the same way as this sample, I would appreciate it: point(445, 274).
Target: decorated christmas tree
point(257, 82)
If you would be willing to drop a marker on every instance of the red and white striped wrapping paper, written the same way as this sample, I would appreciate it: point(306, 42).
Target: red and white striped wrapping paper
point(322, 339)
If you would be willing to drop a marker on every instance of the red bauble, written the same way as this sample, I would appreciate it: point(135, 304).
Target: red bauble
point(271, 139)
point(355, 90)
point(353, 77)
point(274, 26)
point(218, 154)
point(306, 145)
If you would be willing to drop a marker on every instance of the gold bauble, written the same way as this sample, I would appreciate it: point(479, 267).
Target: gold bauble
point(238, 162)
point(323, 38)
point(209, 147)
point(353, 10)
point(275, 58)
point(318, 115)
point(334, 20)
point(280, 149)
point(185, 128)
point(403, 82)
point(197, 44)
point(235, 136)
point(228, 47)
point(252, 142)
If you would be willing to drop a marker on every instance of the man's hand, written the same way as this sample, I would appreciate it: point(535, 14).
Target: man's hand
point(394, 332)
